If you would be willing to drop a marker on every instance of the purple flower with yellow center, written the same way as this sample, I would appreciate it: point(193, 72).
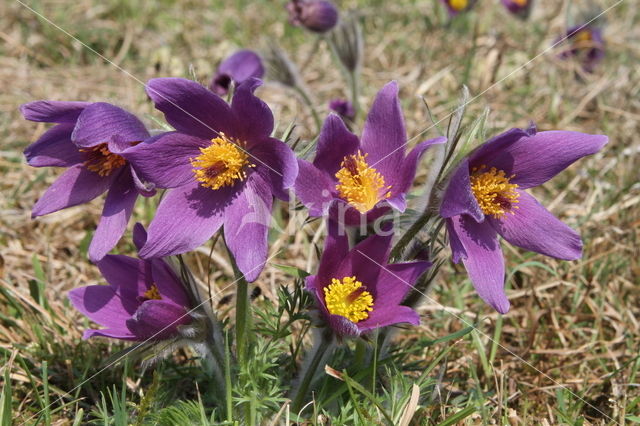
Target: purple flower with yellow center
point(586, 44)
point(315, 15)
point(455, 7)
point(366, 176)
point(236, 69)
point(357, 290)
point(224, 167)
point(89, 139)
point(521, 8)
point(486, 197)
point(144, 300)
point(343, 108)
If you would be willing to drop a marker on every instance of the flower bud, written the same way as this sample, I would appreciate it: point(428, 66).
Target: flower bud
point(318, 16)
point(343, 108)
point(520, 8)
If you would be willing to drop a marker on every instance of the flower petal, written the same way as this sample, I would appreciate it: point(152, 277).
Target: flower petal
point(241, 66)
point(100, 304)
point(246, 226)
point(334, 144)
point(54, 149)
point(157, 320)
point(384, 136)
point(336, 248)
point(395, 281)
point(190, 108)
point(169, 285)
point(164, 159)
point(129, 278)
point(250, 109)
point(101, 122)
point(492, 148)
point(185, 219)
point(277, 164)
point(117, 210)
point(114, 333)
point(76, 185)
point(343, 327)
point(315, 188)
point(139, 235)
point(532, 227)
point(458, 198)
point(389, 315)
point(366, 260)
point(53, 111)
point(484, 261)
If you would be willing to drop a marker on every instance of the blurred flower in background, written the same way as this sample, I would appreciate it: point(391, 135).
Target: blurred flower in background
point(318, 16)
point(586, 44)
point(456, 6)
point(520, 8)
point(343, 108)
point(236, 69)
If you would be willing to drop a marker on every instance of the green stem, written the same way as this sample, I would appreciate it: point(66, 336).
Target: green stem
point(243, 317)
point(307, 100)
point(411, 232)
point(354, 85)
point(319, 352)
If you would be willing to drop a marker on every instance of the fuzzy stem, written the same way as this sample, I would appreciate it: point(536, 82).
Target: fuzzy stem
point(307, 100)
point(243, 318)
point(321, 349)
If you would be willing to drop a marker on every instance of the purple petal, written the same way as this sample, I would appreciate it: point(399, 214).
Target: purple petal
point(128, 277)
point(115, 216)
point(164, 159)
point(139, 235)
point(53, 111)
point(536, 159)
point(100, 304)
point(101, 122)
point(315, 188)
point(336, 248)
point(250, 109)
point(238, 67)
point(334, 144)
point(246, 226)
point(457, 249)
point(343, 327)
point(185, 219)
point(75, 186)
point(157, 320)
point(54, 148)
point(484, 261)
point(384, 136)
point(169, 285)
point(395, 281)
point(532, 227)
point(486, 152)
point(190, 108)
point(114, 333)
point(366, 260)
point(458, 198)
point(277, 164)
point(389, 315)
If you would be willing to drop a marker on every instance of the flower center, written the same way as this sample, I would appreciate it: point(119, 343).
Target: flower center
point(348, 298)
point(458, 5)
point(360, 185)
point(102, 161)
point(152, 294)
point(495, 195)
point(520, 2)
point(220, 164)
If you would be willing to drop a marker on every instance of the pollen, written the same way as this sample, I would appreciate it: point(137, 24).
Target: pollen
point(459, 5)
point(360, 185)
point(582, 38)
point(347, 297)
point(493, 191)
point(222, 163)
point(102, 161)
point(152, 294)
point(520, 3)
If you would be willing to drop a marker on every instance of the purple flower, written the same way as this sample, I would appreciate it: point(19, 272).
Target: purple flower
point(89, 139)
point(236, 69)
point(521, 8)
point(343, 108)
point(454, 7)
point(365, 176)
point(315, 15)
point(486, 197)
point(586, 44)
point(223, 165)
point(144, 300)
point(357, 290)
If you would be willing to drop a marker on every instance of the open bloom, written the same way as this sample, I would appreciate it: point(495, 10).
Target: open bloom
point(357, 290)
point(236, 69)
point(343, 108)
point(89, 139)
point(456, 6)
point(486, 197)
point(144, 300)
point(224, 167)
point(521, 8)
point(586, 44)
point(315, 15)
point(365, 176)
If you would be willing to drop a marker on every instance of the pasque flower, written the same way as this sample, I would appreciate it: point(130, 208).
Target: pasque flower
point(236, 69)
point(144, 300)
point(368, 175)
point(456, 6)
point(343, 108)
point(224, 167)
point(521, 8)
point(89, 139)
point(315, 15)
point(486, 197)
point(357, 290)
point(586, 44)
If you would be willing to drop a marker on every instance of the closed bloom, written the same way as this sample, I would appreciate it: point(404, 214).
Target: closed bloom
point(456, 6)
point(144, 300)
point(315, 15)
point(357, 290)
point(224, 167)
point(90, 140)
point(521, 8)
point(586, 44)
point(486, 197)
point(236, 69)
point(343, 108)
point(366, 176)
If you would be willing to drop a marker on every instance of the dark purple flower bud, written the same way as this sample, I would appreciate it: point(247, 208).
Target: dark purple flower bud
point(315, 15)
point(237, 68)
point(521, 8)
point(456, 6)
point(343, 108)
point(586, 44)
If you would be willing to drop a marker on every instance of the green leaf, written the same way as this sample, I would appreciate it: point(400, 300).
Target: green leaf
point(292, 270)
point(460, 415)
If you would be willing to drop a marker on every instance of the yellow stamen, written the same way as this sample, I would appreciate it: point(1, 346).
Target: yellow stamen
point(347, 298)
point(153, 293)
point(520, 3)
point(360, 185)
point(221, 164)
point(493, 191)
point(102, 161)
point(458, 5)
